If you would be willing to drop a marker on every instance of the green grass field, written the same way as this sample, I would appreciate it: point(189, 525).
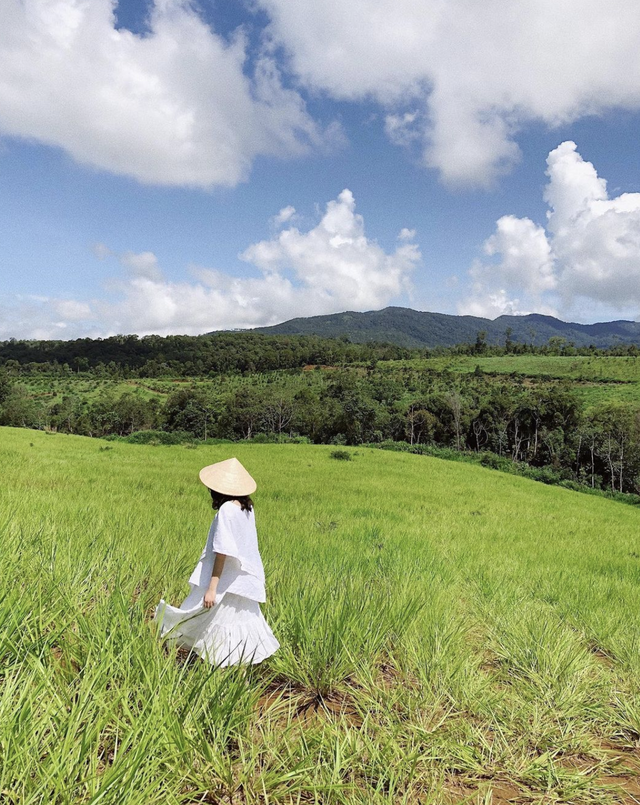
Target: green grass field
point(585, 367)
point(597, 379)
point(448, 634)
point(50, 389)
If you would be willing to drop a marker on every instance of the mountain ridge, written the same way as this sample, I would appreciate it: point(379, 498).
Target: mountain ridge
point(414, 328)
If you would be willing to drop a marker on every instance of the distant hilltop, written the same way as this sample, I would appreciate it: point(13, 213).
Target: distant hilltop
point(413, 328)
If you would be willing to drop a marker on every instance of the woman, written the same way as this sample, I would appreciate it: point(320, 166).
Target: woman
point(221, 620)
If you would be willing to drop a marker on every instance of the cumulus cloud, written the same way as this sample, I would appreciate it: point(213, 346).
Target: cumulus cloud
point(336, 262)
point(32, 316)
point(71, 310)
point(182, 105)
point(525, 267)
point(586, 259)
point(478, 71)
point(331, 267)
point(491, 305)
point(596, 240)
point(401, 129)
point(172, 107)
point(142, 264)
point(285, 214)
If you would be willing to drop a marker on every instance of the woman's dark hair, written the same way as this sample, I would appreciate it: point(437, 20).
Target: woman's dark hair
point(217, 499)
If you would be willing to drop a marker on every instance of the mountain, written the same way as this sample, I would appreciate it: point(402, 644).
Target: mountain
point(414, 328)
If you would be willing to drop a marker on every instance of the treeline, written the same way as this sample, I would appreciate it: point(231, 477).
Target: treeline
point(187, 356)
point(544, 425)
point(125, 356)
point(556, 345)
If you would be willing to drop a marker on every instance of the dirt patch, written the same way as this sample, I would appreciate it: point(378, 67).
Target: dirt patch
point(600, 654)
point(625, 789)
point(63, 662)
point(503, 791)
point(389, 676)
point(491, 792)
point(298, 704)
point(624, 780)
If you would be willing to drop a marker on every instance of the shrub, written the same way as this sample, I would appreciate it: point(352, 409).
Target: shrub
point(159, 437)
point(389, 444)
point(341, 455)
point(546, 475)
point(496, 462)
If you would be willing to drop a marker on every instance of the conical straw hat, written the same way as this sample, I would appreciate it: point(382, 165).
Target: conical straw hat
point(228, 477)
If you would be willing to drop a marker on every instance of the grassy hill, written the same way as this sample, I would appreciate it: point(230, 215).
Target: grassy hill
point(449, 634)
point(413, 328)
point(596, 378)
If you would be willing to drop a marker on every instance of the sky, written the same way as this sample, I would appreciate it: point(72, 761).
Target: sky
point(180, 167)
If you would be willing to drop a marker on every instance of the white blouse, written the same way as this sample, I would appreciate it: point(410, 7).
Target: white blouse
point(233, 533)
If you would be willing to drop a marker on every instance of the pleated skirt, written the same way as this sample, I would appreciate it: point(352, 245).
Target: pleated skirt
point(231, 632)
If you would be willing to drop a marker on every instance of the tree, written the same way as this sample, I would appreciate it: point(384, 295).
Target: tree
point(481, 343)
point(420, 424)
point(278, 413)
point(242, 413)
point(508, 343)
point(355, 413)
point(5, 387)
point(192, 410)
point(456, 404)
point(557, 344)
point(617, 447)
point(20, 410)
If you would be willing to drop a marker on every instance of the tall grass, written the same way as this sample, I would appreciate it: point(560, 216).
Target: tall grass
point(445, 631)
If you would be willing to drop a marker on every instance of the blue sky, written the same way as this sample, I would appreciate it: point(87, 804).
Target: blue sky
point(456, 163)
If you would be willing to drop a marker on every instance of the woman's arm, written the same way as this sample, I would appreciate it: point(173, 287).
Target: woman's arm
point(210, 595)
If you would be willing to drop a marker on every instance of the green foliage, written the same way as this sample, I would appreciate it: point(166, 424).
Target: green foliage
point(524, 409)
point(158, 437)
point(156, 356)
point(5, 386)
point(341, 455)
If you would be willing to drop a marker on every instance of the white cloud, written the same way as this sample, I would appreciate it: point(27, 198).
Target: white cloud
point(71, 310)
point(525, 268)
point(336, 262)
point(402, 129)
point(587, 260)
point(492, 305)
point(101, 251)
point(478, 71)
point(596, 240)
point(285, 214)
point(31, 316)
point(329, 268)
point(180, 105)
point(172, 107)
point(142, 264)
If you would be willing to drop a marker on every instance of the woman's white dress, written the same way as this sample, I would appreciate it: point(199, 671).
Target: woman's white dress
point(234, 630)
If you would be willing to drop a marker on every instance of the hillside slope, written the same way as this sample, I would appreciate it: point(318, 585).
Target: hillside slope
point(413, 328)
point(444, 629)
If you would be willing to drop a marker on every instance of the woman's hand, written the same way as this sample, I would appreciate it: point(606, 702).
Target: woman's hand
point(210, 595)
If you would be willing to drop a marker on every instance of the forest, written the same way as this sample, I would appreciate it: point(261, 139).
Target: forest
point(188, 356)
point(241, 386)
point(246, 351)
